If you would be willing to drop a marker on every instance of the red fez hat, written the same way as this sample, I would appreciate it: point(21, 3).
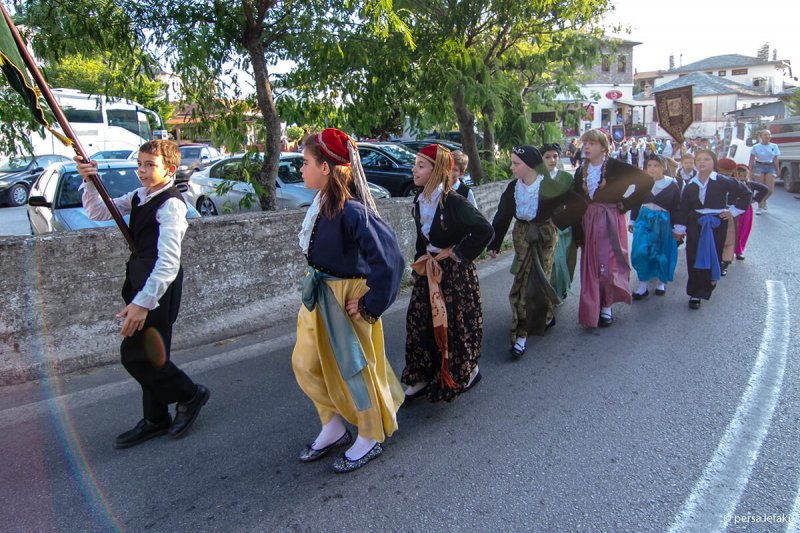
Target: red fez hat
point(334, 144)
point(430, 151)
point(726, 164)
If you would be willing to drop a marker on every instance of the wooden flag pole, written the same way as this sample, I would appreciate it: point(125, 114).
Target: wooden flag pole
point(65, 125)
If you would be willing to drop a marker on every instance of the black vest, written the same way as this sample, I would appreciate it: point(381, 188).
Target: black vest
point(145, 230)
point(463, 189)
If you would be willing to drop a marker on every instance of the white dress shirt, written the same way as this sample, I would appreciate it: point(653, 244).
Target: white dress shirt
point(304, 237)
point(470, 195)
point(527, 198)
point(427, 212)
point(172, 224)
point(593, 177)
point(735, 211)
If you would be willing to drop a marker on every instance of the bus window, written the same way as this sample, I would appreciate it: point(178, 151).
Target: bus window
point(124, 118)
point(144, 126)
point(87, 116)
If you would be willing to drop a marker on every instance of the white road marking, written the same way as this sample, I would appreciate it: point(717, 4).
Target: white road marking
point(713, 500)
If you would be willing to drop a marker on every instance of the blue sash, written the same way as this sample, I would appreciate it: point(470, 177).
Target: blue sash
point(344, 342)
point(707, 257)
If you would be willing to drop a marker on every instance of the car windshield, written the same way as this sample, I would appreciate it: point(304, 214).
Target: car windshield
point(400, 153)
point(190, 152)
point(289, 170)
point(118, 182)
point(111, 154)
point(14, 164)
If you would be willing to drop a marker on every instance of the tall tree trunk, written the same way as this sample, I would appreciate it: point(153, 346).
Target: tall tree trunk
point(466, 121)
point(272, 122)
point(488, 133)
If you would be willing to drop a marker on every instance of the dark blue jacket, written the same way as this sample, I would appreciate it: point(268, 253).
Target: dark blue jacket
point(346, 247)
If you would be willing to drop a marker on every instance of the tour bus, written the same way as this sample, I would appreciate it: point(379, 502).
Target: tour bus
point(100, 123)
point(786, 134)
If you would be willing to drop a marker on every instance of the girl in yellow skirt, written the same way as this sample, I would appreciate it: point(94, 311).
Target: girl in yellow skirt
point(355, 268)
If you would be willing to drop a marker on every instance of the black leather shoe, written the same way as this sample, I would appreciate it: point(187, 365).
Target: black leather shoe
point(694, 303)
point(645, 294)
point(740, 257)
point(187, 412)
point(310, 454)
point(661, 292)
point(550, 324)
point(605, 321)
point(342, 464)
point(144, 430)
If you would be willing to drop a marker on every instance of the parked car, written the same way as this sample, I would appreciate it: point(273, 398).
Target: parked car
point(289, 187)
point(416, 146)
point(195, 157)
point(112, 154)
point(389, 165)
point(18, 173)
point(55, 201)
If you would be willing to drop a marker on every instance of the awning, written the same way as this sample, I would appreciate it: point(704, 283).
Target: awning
point(633, 103)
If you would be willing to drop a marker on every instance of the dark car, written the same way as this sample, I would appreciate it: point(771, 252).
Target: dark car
point(389, 165)
point(55, 202)
point(17, 175)
point(194, 157)
point(416, 146)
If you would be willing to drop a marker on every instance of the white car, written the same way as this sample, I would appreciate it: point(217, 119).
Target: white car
point(240, 196)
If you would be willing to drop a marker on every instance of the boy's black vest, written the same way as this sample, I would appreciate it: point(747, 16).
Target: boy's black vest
point(145, 229)
point(463, 189)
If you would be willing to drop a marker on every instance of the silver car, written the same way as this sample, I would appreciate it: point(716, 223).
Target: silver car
point(239, 195)
point(55, 201)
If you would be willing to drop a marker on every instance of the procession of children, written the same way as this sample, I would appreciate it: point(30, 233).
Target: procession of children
point(355, 268)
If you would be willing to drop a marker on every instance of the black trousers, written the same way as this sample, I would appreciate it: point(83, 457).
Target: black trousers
point(700, 284)
point(146, 355)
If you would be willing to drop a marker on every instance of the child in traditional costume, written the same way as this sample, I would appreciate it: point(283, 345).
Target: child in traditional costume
point(602, 233)
point(152, 291)
point(760, 191)
point(535, 199)
point(727, 167)
point(354, 274)
point(566, 252)
point(460, 163)
point(708, 204)
point(444, 325)
point(654, 253)
point(686, 171)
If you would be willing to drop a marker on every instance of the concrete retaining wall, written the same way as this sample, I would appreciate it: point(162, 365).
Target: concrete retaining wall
point(59, 293)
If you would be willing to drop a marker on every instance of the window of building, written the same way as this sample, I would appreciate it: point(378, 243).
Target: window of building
point(739, 72)
point(722, 73)
point(698, 112)
point(605, 64)
point(710, 73)
point(622, 63)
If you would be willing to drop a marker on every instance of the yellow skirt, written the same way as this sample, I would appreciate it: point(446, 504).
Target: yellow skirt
point(317, 371)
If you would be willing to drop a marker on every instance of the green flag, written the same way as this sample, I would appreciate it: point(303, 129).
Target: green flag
point(16, 73)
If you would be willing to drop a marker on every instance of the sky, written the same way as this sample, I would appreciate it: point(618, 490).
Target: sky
point(699, 29)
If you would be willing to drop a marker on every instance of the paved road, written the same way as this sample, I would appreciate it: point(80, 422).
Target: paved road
point(14, 221)
point(669, 419)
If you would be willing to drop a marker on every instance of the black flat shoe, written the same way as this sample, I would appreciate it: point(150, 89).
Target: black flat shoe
point(550, 324)
point(186, 412)
point(516, 351)
point(422, 392)
point(309, 454)
point(740, 257)
point(474, 381)
point(144, 431)
point(661, 292)
point(605, 321)
point(642, 296)
point(694, 303)
point(342, 464)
